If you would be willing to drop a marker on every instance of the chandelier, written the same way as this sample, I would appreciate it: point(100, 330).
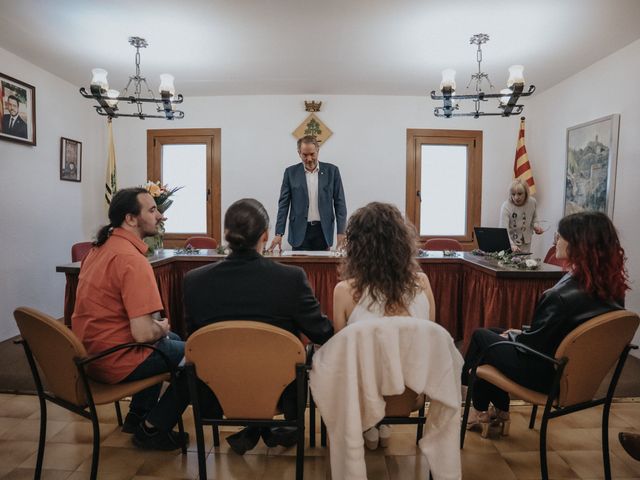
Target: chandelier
point(508, 97)
point(108, 98)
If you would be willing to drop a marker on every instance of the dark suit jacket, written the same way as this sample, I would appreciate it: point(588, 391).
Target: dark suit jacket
point(19, 126)
point(294, 200)
point(247, 286)
point(562, 308)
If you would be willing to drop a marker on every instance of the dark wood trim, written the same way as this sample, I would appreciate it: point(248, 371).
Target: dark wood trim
point(473, 140)
point(211, 137)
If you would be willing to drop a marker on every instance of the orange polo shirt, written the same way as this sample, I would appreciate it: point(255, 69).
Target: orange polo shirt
point(116, 284)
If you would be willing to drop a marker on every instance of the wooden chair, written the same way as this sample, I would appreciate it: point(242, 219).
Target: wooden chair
point(80, 250)
point(201, 242)
point(581, 362)
point(247, 365)
point(62, 359)
point(442, 244)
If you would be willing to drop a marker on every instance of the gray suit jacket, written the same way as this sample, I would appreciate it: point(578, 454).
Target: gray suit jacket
point(294, 200)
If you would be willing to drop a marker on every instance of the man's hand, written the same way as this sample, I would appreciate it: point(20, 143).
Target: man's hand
point(276, 242)
point(164, 326)
point(340, 241)
point(515, 248)
point(538, 230)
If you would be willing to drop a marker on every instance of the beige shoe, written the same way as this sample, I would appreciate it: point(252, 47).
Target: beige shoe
point(385, 435)
point(481, 420)
point(371, 438)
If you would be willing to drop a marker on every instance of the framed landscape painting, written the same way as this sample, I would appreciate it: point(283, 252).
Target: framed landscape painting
point(590, 179)
point(17, 111)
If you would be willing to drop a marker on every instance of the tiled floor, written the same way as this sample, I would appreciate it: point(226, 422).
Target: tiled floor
point(574, 450)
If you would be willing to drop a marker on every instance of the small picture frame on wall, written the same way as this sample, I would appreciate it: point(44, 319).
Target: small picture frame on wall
point(17, 111)
point(70, 160)
point(592, 153)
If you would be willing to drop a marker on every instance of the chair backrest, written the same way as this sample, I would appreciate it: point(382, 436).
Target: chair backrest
point(401, 405)
point(551, 258)
point(54, 347)
point(442, 244)
point(201, 242)
point(80, 250)
point(592, 350)
point(246, 364)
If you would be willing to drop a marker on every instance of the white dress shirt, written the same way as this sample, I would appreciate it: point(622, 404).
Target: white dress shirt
point(313, 215)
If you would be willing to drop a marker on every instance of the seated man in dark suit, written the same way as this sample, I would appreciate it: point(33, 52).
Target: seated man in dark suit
point(247, 286)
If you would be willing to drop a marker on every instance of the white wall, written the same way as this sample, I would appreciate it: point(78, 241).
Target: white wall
point(42, 216)
point(606, 87)
point(368, 144)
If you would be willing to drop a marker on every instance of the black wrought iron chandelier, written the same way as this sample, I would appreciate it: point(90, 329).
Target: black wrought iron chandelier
point(508, 97)
point(108, 98)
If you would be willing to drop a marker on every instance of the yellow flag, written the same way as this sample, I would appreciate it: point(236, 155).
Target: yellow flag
point(111, 184)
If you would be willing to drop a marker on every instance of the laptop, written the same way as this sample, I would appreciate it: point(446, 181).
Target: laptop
point(492, 239)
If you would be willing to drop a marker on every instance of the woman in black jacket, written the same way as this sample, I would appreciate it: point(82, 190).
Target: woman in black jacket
point(595, 284)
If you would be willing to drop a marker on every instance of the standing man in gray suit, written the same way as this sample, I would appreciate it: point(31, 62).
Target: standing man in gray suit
point(313, 196)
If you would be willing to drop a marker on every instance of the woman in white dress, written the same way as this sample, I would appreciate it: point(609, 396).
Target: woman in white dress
point(381, 278)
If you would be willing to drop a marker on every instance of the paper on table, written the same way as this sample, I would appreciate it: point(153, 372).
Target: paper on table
point(309, 253)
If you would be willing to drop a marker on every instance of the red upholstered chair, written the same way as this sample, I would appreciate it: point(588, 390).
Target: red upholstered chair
point(201, 242)
point(442, 244)
point(551, 258)
point(80, 250)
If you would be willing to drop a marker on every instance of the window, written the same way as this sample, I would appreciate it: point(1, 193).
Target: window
point(444, 183)
point(188, 158)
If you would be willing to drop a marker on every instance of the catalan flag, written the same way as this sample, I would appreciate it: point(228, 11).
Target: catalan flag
point(111, 184)
point(521, 166)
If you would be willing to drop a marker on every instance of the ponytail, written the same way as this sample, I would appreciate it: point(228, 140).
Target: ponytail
point(123, 203)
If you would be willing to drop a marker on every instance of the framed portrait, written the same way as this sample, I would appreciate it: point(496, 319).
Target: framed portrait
point(70, 160)
point(590, 178)
point(17, 111)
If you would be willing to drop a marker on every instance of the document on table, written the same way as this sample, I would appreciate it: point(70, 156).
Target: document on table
point(309, 253)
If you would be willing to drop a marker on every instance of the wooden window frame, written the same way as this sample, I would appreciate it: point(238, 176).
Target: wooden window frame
point(473, 140)
point(209, 136)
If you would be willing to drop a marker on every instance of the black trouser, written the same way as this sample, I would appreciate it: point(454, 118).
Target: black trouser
point(519, 366)
point(313, 238)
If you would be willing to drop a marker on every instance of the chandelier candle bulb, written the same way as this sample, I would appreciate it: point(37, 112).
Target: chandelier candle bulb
point(448, 79)
point(516, 75)
point(100, 78)
point(166, 83)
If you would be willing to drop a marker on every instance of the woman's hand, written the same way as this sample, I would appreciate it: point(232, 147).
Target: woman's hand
point(505, 334)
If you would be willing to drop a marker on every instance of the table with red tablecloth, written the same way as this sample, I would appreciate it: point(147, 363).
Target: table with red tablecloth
point(470, 291)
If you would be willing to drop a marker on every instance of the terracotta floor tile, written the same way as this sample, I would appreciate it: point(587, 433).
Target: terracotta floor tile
point(55, 412)
point(13, 453)
point(526, 465)
point(588, 464)
point(29, 430)
point(376, 466)
point(122, 463)
point(407, 467)
point(8, 423)
point(402, 444)
point(476, 466)
point(47, 474)
point(170, 464)
point(60, 456)
point(20, 406)
point(82, 432)
point(235, 467)
point(574, 438)
point(277, 468)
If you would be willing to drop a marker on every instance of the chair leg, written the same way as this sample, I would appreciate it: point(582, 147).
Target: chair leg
point(312, 421)
point(606, 461)
point(465, 415)
point(118, 413)
point(323, 433)
point(301, 390)
point(216, 435)
point(532, 420)
point(197, 420)
point(544, 472)
point(43, 436)
point(420, 429)
point(95, 457)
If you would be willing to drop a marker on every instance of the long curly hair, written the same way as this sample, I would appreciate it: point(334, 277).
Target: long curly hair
point(381, 250)
point(595, 254)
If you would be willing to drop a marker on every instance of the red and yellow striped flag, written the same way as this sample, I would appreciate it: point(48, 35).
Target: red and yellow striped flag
point(521, 166)
point(110, 185)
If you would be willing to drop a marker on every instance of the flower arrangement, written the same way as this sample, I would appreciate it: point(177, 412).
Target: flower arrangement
point(508, 259)
point(161, 194)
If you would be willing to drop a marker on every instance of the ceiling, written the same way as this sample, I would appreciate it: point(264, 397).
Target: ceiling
point(372, 47)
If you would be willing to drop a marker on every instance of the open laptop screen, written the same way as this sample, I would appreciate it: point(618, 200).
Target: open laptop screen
point(491, 239)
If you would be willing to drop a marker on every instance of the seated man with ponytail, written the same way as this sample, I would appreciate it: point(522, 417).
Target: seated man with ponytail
point(117, 302)
point(248, 286)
